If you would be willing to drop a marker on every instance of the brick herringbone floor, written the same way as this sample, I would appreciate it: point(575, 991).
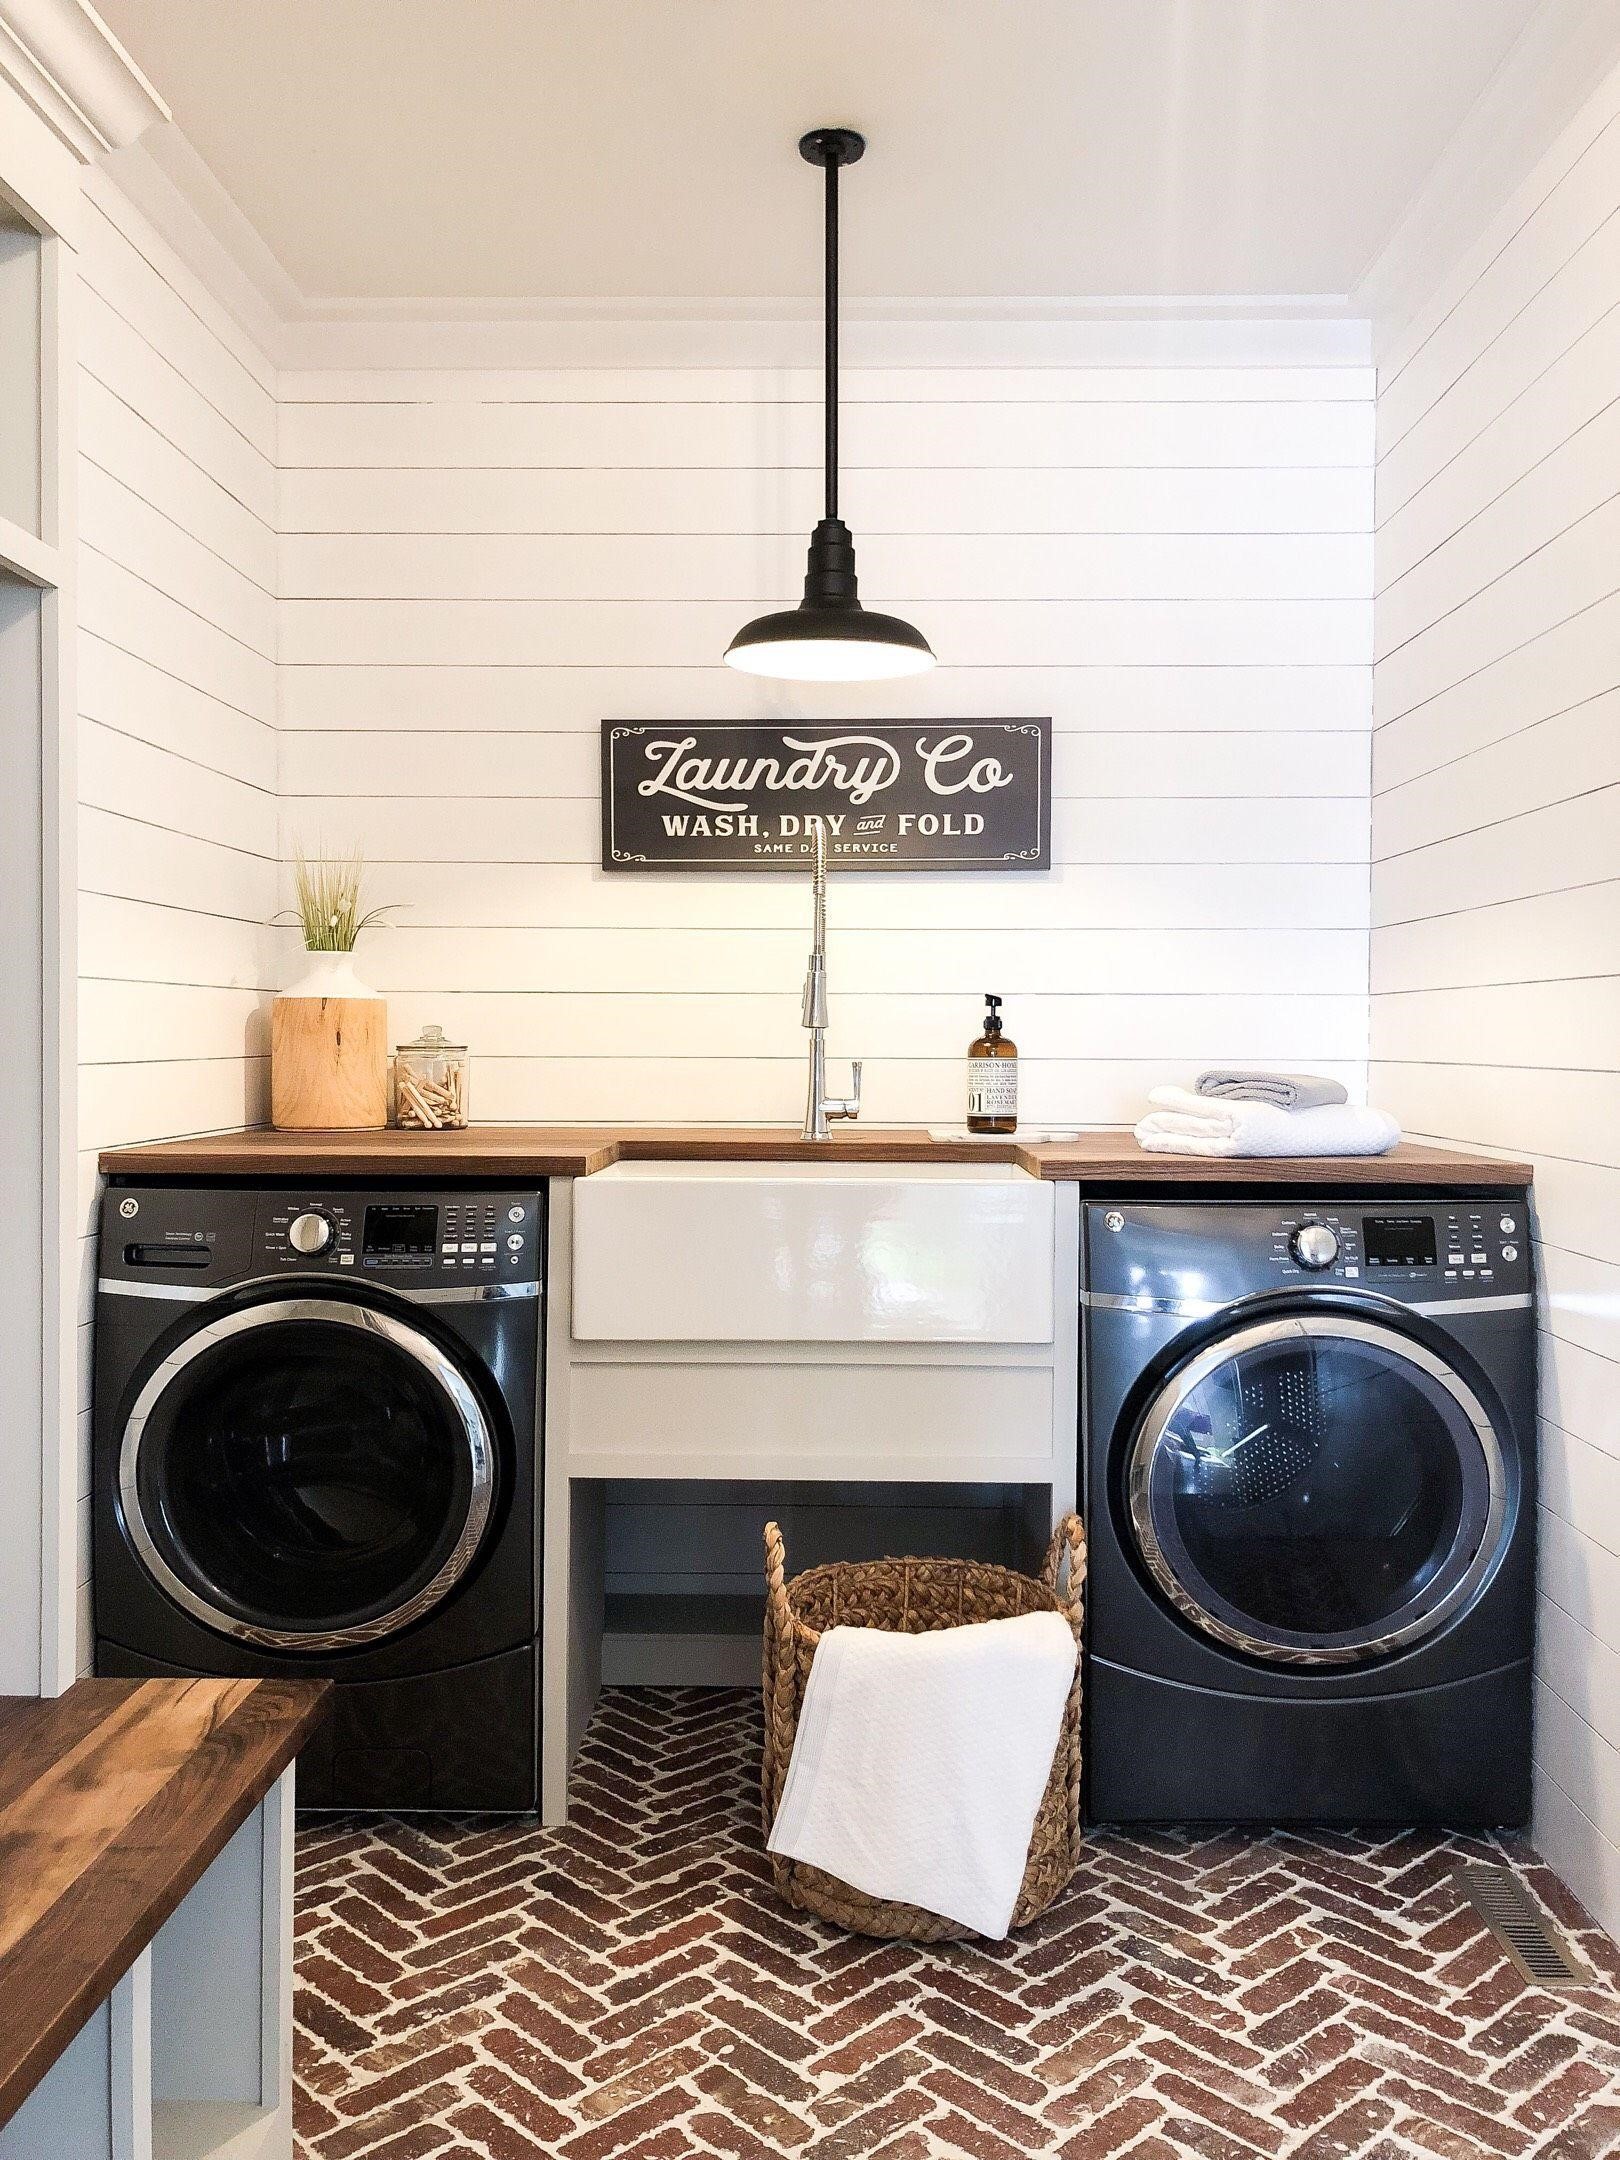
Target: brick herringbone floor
point(629, 1989)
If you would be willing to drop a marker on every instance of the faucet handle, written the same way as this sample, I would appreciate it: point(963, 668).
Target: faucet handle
point(849, 1106)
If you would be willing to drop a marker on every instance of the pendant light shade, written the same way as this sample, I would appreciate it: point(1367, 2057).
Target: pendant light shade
point(829, 636)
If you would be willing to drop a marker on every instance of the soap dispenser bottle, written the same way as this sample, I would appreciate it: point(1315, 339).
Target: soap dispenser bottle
point(992, 1076)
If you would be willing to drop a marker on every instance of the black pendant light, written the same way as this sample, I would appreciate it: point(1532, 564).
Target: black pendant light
point(829, 636)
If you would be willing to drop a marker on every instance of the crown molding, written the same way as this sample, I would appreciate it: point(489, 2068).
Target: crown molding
point(1549, 74)
point(740, 308)
point(877, 336)
point(69, 67)
point(182, 199)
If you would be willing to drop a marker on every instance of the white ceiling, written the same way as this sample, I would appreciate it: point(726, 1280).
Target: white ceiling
point(615, 149)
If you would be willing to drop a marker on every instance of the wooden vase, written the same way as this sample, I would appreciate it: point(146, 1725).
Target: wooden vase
point(329, 1052)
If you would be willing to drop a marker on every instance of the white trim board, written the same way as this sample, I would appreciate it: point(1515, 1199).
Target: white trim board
point(72, 71)
point(1560, 58)
point(182, 199)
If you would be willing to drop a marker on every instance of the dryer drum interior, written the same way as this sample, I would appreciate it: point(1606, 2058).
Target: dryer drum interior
point(308, 1474)
point(1318, 1489)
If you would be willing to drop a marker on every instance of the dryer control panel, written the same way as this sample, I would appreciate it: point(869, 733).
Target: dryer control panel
point(1450, 1243)
point(1420, 1250)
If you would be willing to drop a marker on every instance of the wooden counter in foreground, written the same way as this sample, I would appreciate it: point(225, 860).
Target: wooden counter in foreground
point(527, 1153)
point(115, 1801)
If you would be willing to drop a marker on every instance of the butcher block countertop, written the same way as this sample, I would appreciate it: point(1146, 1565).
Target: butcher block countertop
point(525, 1153)
point(114, 1800)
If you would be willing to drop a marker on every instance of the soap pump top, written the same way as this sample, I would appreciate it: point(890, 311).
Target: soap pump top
point(992, 1013)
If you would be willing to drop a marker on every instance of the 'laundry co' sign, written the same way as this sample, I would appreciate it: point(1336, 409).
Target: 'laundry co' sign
point(892, 794)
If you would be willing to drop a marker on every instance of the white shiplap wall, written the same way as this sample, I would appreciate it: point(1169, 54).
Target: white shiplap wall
point(1496, 845)
point(477, 568)
point(177, 696)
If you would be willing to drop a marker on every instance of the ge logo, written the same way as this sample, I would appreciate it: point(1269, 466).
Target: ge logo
point(1113, 1220)
point(127, 1208)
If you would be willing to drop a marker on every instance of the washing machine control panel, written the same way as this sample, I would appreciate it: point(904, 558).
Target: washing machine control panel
point(413, 1240)
point(197, 1240)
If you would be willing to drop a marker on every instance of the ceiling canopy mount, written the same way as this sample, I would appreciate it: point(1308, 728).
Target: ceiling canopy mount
point(832, 146)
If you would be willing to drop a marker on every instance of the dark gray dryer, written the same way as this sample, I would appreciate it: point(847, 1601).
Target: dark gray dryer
point(1308, 1463)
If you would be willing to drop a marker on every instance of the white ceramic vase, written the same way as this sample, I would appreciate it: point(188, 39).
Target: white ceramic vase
point(329, 975)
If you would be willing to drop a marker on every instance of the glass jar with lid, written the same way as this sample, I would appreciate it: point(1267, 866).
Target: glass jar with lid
point(430, 1082)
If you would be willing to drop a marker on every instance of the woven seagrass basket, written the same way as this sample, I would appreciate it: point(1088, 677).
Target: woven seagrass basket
point(911, 1597)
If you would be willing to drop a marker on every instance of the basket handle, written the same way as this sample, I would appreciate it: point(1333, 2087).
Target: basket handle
point(776, 1582)
point(1068, 1541)
point(781, 1678)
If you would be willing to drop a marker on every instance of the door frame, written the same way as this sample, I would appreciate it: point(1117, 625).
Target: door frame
point(39, 971)
point(69, 93)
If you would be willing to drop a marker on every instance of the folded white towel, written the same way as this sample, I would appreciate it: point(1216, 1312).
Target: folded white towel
point(1288, 1090)
point(1184, 1124)
point(920, 1761)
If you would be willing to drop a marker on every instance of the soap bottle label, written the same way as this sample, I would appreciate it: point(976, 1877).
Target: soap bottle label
point(992, 1087)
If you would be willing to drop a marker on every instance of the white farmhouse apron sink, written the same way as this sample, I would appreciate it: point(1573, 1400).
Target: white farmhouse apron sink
point(836, 1252)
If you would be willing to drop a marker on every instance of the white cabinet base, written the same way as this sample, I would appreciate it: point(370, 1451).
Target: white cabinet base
point(859, 1402)
point(190, 2058)
point(95, 2101)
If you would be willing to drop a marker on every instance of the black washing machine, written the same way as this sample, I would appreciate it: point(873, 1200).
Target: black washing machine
point(1308, 1461)
point(316, 1454)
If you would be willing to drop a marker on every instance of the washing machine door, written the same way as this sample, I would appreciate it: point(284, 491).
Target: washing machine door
point(1318, 1489)
point(307, 1474)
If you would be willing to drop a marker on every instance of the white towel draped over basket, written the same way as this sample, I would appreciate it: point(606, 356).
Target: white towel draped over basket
point(920, 1761)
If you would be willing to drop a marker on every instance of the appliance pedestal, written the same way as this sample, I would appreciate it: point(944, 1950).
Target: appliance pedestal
point(1457, 1754)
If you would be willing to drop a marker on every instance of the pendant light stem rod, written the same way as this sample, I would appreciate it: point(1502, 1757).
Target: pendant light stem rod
point(829, 372)
point(829, 636)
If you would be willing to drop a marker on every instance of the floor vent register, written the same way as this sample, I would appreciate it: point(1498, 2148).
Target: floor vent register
point(1521, 1927)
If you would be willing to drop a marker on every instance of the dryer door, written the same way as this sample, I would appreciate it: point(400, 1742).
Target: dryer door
point(1316, 1490)
point(307, 1474)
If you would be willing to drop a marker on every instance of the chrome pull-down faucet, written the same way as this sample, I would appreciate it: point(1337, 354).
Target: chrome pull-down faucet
point(819, 1105)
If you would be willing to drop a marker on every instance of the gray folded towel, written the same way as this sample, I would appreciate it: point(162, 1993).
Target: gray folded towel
point(1285, 1091)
